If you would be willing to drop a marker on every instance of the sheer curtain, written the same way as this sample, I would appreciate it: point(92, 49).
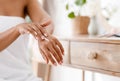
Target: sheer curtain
point(56, 9)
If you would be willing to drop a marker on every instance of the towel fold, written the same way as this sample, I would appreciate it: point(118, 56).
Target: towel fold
point(15, 60)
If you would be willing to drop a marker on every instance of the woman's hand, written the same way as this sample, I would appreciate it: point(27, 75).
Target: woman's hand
point(32, 28)
point(51, 50)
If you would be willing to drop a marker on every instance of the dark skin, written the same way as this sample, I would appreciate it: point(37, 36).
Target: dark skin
point(13, 7)
point(41, 28)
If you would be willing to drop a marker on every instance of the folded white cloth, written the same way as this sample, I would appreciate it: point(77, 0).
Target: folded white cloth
point(14, 60)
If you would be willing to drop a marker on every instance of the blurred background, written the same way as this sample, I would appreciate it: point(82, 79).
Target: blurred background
point(99, 14)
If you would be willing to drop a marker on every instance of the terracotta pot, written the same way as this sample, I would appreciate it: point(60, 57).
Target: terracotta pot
point(80, 25)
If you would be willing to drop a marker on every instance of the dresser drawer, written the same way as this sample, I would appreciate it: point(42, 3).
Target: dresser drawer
point(96, 55)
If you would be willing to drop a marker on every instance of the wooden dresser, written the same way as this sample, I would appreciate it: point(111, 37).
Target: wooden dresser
point(99, 54)
point(92, 53)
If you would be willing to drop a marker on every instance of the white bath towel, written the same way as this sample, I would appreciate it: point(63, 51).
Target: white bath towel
point(14, 60)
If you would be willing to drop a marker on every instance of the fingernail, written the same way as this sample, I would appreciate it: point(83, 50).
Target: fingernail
point(28, 32)
point(36, 38)
point(55, 64)
point(45, 35)
point(63, 53)
point(42, 37)
point(60, 63)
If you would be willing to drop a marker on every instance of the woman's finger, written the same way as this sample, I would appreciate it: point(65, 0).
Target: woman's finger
point(54, 54)
point(59, 45)
point(47, 52)
point(43, 31)
point(34, 27)
point(58, 51)
point(34, 32)
point(30, 30)
point(44, 56)
point(37, 31)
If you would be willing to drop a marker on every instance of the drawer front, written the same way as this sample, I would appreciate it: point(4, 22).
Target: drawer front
point(96, 55)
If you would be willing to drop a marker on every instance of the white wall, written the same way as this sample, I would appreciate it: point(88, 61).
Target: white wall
point(56, 8)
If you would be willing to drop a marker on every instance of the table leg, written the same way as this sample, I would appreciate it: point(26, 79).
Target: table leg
point(83, 75)
point(69, 53)
point(47, 74)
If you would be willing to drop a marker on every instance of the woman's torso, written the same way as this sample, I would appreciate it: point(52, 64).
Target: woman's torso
point(14, 60)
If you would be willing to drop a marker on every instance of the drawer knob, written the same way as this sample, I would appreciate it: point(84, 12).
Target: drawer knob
point(92, 55)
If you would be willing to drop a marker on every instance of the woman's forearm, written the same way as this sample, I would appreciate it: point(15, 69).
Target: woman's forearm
point(48, 25)
point(7, 37)
point(38, 14)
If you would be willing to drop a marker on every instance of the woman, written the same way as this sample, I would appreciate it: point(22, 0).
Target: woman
point(14, 59)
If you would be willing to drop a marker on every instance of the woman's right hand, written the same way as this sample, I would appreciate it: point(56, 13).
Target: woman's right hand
point(32, 28)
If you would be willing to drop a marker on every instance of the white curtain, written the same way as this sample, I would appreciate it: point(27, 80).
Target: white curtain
point(56, 9)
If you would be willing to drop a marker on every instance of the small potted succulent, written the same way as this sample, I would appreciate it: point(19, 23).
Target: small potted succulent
point(80, 23)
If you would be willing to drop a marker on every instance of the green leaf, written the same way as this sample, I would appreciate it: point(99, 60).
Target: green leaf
point(67, 7)
point(71, 15)
point(77, 2)
point(80, 2)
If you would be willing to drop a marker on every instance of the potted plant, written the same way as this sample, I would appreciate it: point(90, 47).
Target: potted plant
point(80, 23)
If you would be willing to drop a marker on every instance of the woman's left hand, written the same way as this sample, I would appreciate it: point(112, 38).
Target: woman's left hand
point(51, 50)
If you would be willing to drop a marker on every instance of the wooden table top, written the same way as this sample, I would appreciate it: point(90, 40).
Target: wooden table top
point(88, 38)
